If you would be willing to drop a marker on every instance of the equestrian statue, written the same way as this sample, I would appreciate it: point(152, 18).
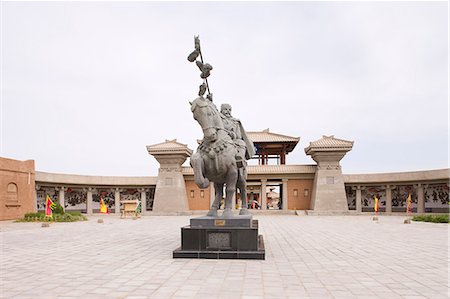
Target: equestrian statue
point(222, 154)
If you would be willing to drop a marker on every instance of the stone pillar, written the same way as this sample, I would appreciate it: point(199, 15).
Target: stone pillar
point(263, 194)
point(143, 201)
point(283, 157)
point(89, 201)
point(358, 199)
point(389, 198)
point(170, 193)
point(329, 190)
point(116, 201)
point(61, 197)
point(284, 200)
point(420, 198)
point(36, 189)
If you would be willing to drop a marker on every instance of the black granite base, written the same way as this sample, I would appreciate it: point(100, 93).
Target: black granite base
point(259, 254)
point(221, 239)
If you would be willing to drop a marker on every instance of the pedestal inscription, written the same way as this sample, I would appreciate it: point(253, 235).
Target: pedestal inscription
point(219, 240)
point(219, 222)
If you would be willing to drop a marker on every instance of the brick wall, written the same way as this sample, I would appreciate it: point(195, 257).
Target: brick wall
point(17, 188)
point(198, 198)
point(298, 198)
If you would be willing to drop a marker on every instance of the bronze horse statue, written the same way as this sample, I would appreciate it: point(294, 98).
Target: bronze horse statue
point(215, 159)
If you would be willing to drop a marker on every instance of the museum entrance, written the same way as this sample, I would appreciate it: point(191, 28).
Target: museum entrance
point(273, 198)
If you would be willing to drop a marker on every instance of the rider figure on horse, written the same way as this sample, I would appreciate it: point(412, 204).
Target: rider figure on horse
point(236, 131)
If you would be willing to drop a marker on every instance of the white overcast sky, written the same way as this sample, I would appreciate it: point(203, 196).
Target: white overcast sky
point(87, 85)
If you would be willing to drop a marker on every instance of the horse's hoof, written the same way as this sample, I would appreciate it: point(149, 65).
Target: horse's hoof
point(227, 213)
point(203, 184)
point(212, 213)
point(244, 212)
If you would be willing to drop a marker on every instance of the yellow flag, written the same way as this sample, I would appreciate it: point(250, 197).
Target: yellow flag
point(408, 204)
point(103, 207)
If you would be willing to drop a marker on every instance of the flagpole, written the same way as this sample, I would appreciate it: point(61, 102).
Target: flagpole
point(201, 59)
point(193, 57)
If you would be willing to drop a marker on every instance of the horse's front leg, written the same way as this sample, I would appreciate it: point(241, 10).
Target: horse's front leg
point(218, 197)
point(198, 166)
point(230, 190)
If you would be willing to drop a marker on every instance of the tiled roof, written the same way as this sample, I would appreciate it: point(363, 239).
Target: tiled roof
point(282, 169)
point(399, 177)
point(267, 136)
point(43, 178)
point(169, 146)
point(268, 169)
point(329, 143)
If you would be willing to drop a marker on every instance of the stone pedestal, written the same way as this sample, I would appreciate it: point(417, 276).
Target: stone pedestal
point(221, 238)
point(170, 192)
point(329, 191)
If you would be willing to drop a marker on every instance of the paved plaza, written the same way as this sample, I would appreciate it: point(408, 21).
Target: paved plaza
point(306, 257)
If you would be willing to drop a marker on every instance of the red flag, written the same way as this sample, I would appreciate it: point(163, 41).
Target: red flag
point(49, 206)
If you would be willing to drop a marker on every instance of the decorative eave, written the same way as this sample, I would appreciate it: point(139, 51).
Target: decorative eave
point(169, 147)
point(329, 144)
point(268, 169)
point(267, 136)
point(269, 143)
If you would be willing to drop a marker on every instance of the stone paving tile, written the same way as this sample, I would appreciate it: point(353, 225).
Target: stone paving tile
point(306, 257)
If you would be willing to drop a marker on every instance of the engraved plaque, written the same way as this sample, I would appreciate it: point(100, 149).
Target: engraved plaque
point(219, 240)
point(168, 181)
point(219, 222)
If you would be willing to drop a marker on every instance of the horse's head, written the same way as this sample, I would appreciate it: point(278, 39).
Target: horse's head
point(206, 114)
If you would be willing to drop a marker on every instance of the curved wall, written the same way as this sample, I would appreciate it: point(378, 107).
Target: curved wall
point(396, 185)
point(429, 191)
point(437, 175)
point(429, 188)
point(83, 192)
